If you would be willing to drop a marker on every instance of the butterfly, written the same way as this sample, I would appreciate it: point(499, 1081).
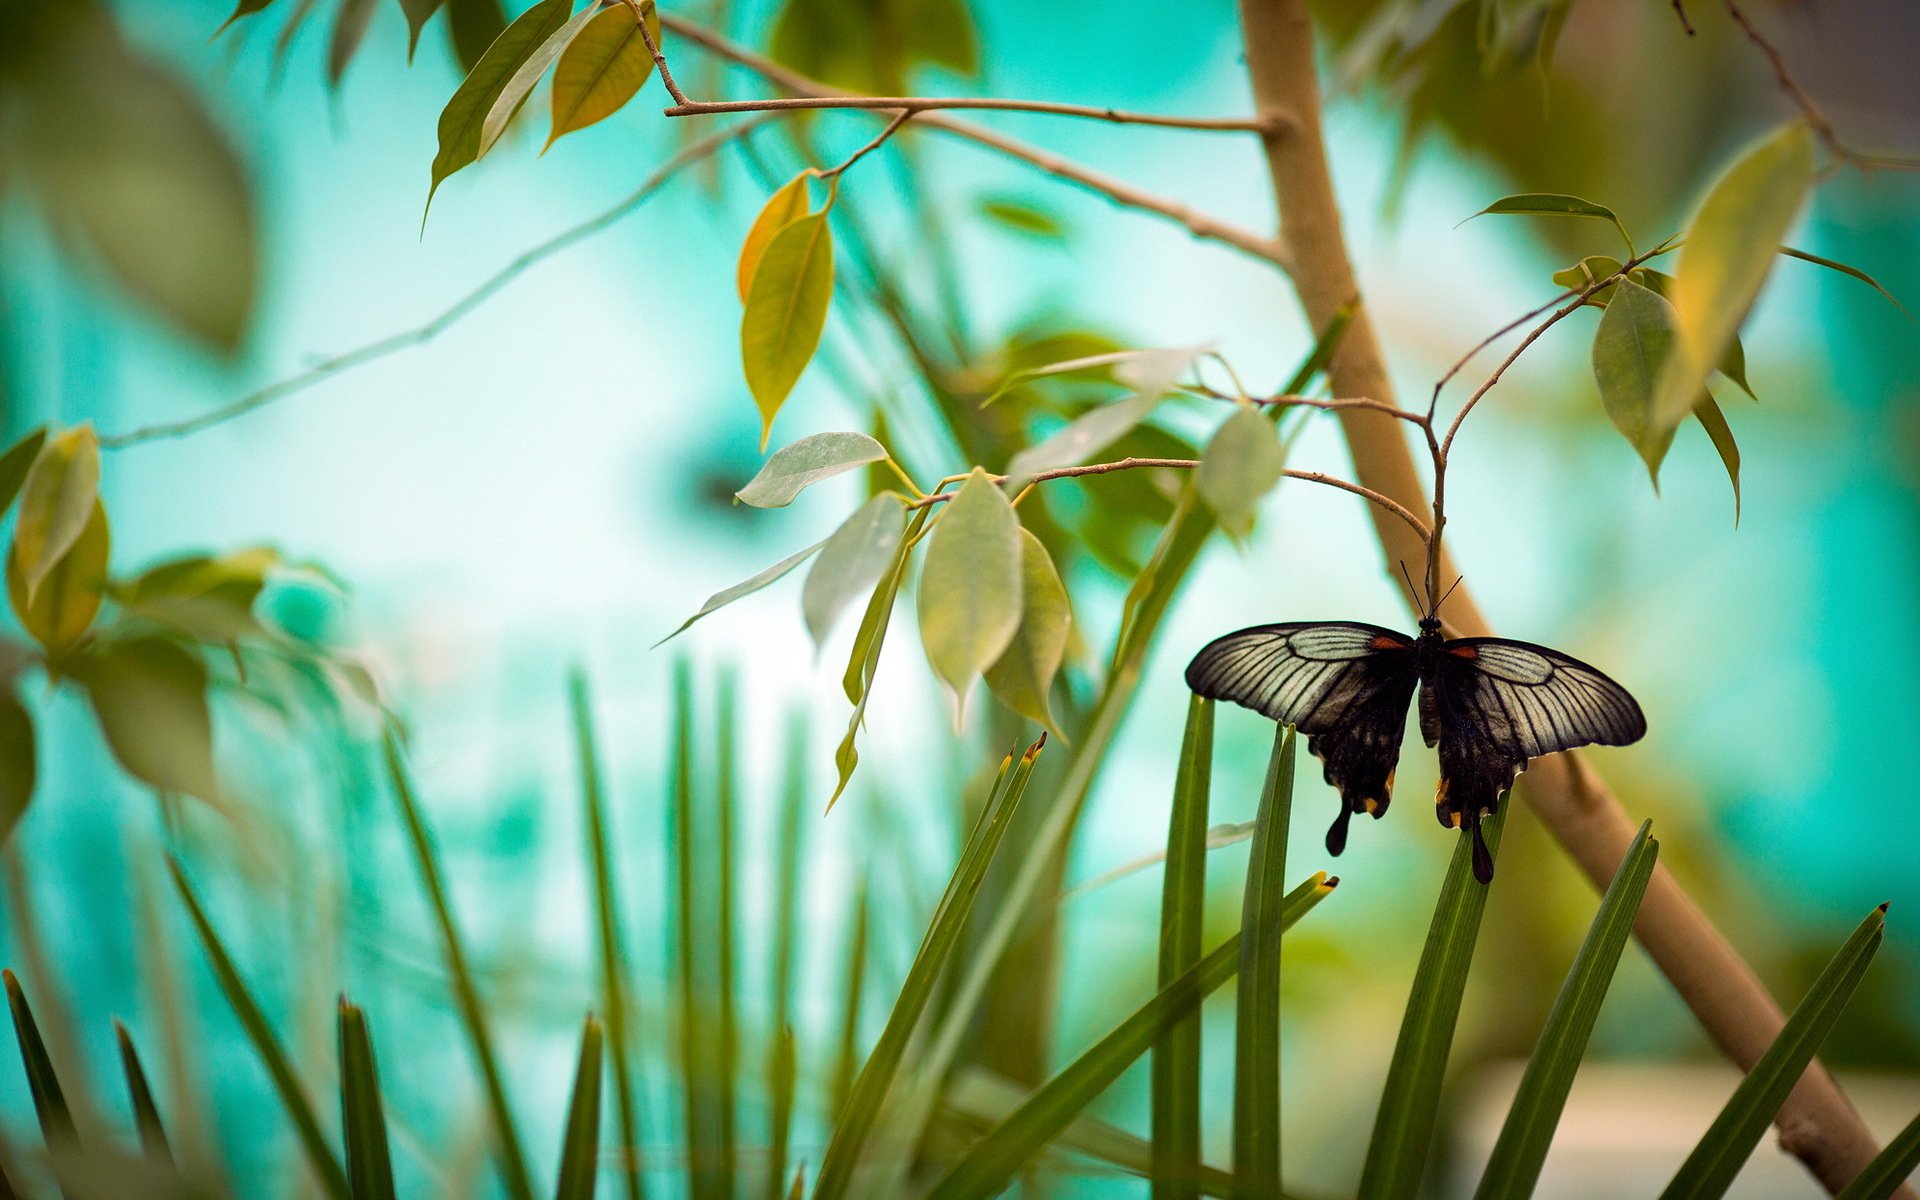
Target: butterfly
point(1489, 704)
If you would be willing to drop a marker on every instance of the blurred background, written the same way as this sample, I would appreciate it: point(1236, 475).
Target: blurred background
point(547, 482)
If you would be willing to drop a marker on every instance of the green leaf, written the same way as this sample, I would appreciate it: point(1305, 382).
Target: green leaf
point(150, 697)
point(970, 586)
point(789, 202)
point(146, 1113)
point(463, 122)
point(1708, 413)
point(1256, 1022)
point(56, 502)
point(17, 769)
point(864, 661)
point(520, 84)
point(1324, 346)
point(473, 26)
point(15, 464)
point(782, 1076)
point(1242, 463)
point(853, 993)
point(580, 1148)
point(1733, 363)
point(786, 311)
point(745, 587)
point(210, 598)
point(69, 598)
point(1092, 366)
point(1587, 272)
point(856, 46)
point(1022, 677)
point(1183, 907)
point(601, 69)
point(993, 1161)
point(43, 1082)
point(1410, 1102)
point(1730, 247)
point(1889, 1169)
point(1150, 374)
point(1844, 269)
point(349, 28)
point(363, 1122)
point(1632, 350)
point(851, 561)
point(1554, 204)
point(950, 918)
point(1514, 1167)
point(419, 12)
point(1728, 1143)
point(795, 468)
point(1023, 217)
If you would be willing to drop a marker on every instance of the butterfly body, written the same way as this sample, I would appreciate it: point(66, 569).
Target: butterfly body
point(1488, 704)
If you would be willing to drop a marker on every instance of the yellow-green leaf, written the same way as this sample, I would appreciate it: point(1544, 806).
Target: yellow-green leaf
point(16, 763)
point(1730, 247)
point(56, 502)
point(1587, 272)
point(851, 562)
point(602, 69)
point(745, 587)
point(521, 83)
point(787, 204)
point(464, 120)
point(61, 611)
point(208, 597)
point(1023, 674)
point(786, 312)
point(15, 464)
point(1707, 411)
point(793, 469)
point(150, 696)
point(1241, 464)
point(1554, 204)
point(970, 588)
point(1632, 351)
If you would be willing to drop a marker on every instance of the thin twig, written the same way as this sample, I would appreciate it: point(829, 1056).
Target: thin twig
point(393, 343)
point(892, 128)
point(1379, 406)
point(696, 108)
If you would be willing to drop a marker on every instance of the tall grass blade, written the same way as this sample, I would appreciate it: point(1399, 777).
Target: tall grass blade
point(43, 1084)
point(293, 1095)
point(876, 1078)
point(782, 1065)
point(1729, 1141)
point(995, 1159)
point(466, 994)
point(615, 985)
point(580, 1149)
point(1514, 1167)
point(697, 1038)
point(1256, 1029)
point(363, 1120)
point(146, 1113)
point(782, 1075)
point(846, 1061)
point(1410, 1102)
point(1183, 904)
point(1889, 1168)
point(721, 859)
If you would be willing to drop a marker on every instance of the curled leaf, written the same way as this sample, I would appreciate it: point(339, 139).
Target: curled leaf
point(788, 204)
point(56, 502)
point(59, 614)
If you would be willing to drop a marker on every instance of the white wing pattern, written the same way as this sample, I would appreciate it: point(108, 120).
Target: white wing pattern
point(1528, 700)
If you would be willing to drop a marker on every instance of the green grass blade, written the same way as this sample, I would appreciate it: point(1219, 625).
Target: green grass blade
point(580, 1149)
point(1410, 1102)
point(876, 1078)
point(363, 1120)
point(43, 1083)
point(846, 1062)
point(146, 1112)
point(782, 1076)
point(1729, 1141)
point(697, 1038)
point(293, 1096)
point(995, 1159)
point(721, 859)
point(1256, 1030)
point(1514, 1167)
point(466, 994)
point(1183, 904)
point(615, 985)
point(782, 1065)
point(1889, 1168)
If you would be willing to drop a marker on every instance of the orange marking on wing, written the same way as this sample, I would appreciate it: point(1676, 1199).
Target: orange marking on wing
point(1381, 641)
point(1464, 651)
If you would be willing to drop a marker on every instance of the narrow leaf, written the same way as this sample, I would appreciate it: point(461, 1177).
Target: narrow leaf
point(521, 83)
point(57, 501)
point(363, 1121)
point(17, 763)
point(1023, 217)
point(1256, 1028)
point(793, 469)
point(788, 204)
point(1150, 375)
point(1715, 423)
point(745, 587)
point(463, 122)
point(786, 310)
point(1555, 204)
point(43, 1082)
point(864, 660)
point(851, 561)
point(601, 69)
point(1242, 462)
point(150, 697)
point(1632, 350)
point(580, 1148)
point(1829, 264)
point(349, 29)
point(1183, 903)
point(1889, 1169)
point(1022, 677)
point(146, 1112)
point(970, 587)
point(419, 12)
point(15, 464)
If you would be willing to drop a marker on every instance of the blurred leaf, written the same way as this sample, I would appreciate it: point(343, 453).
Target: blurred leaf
point(786, 312)
point(363, 1121)
point(1728, 1143)
point(1183, 907)
point(1587, 272)
point(602, 69)
point(146, 1113)
point(1513, 1169)
point(853, 995)
point(126, 163)
point(245, 8)
point(1844, 269)
point(795, 468)
point(1733, 363)
point(970, 587)
point(150, 697)
point(1555, 204)
point(43, 1082)
point(1730, 247)
point(1096, 365)
point(521, 83)
point(1320, 358)
point(70, 597)
point(1021, 216)
point(1708, 413)
point(1889, 1168)
point(1410, 1101)
point(781, 1079)
point(473, 26)
point(419, 12)
point(851, 561)
point(56, 503)
point(1632, 350)
point(580, 1148)
point(210, 598)
point(17, 769)
point(464, 121)
point(1022, 677)
point(745, 587)
point(1150, 374)
point(789, 202)
point(1242, 462)
point(864, 661)
point(14, 465)
point(872, 46)
point(1256, 1020)
point(349, 29)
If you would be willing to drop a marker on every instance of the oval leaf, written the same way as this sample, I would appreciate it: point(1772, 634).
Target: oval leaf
point(601, 69)
point(16, 764)
point(464, 119)
point(1023, 674)
point(1151, 374)
point(56, 503)
point(745, 587)
point(795, 468)
point(850, 563)
point(970, 589)
point(1553, 204)
point(783, 208)
point(150, 696)
point(60, 613)
point(786, 311)
point(1632, 350)
point(1241, 464)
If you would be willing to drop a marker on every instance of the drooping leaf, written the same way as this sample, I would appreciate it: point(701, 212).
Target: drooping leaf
point(245, 8)
point(1150, 375)
point(56, 503)
point(788, 204)
point(871, 47)
point(521, 83)
point(1242, 462)
point(786, 311)
point(15, 464)
point(150, 697)
point(1022, 677)
point(208, 597)
point(69, 598)
point(1632, 350)
point(601, 69)
point(16, 763)
point(1555, 204)
point(464, 120)
point(745, 587)
point(419, 12)
point(864, 661)
point(970, 587)
point(795, 468)
point(1844, 269)
point(1023, 216)
point(1708, 413)
point(350, 23)
point(851, 561)
point(1733, 363)
point(473, 26)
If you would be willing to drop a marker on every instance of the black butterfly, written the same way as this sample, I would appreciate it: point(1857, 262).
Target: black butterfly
point(1490, 705)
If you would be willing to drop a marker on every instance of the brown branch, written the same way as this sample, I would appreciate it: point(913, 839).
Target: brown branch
point(1817, 1123)
point(919, 104)
point(1198, 223)
point(892, 128)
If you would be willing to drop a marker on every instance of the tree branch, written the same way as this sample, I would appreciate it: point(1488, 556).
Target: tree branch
point(920, 104)
point(1817, 1123)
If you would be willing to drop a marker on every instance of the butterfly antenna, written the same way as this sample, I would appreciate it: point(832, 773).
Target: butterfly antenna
point(1412, 595)
point(1457, 580)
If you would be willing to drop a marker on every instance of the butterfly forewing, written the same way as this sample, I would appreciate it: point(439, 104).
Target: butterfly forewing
point(1530, 701)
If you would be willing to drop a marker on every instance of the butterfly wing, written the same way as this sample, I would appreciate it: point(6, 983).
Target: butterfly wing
point(1501, 703)
point(1344, 684)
